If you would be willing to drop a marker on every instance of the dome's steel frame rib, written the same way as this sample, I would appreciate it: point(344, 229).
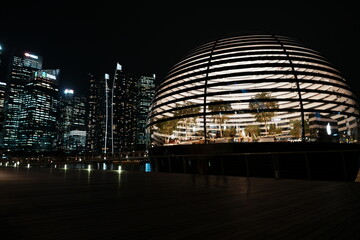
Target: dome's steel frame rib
point(299, 91)
point(205, 89)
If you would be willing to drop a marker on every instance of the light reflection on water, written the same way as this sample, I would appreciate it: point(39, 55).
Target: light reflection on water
point(88, 176)
point(83, 173)
point(102, 166)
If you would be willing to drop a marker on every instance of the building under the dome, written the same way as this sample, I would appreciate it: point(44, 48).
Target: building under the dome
point(253, 88)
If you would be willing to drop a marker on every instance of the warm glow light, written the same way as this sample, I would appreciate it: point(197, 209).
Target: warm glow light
point(119, 168)
point(243, 133)
point(65, 167)
point(89, 167)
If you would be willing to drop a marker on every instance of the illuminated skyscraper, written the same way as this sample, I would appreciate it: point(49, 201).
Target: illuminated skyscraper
point(117, 112)
point(95, 126)
point(5, 55)
point(22, 68)
point(72, 124)
point(2, 101)
point(2, 91)
point(123, 117)
point(1, 64)
point(38, 116)
point(92, 113)
point(145, 94)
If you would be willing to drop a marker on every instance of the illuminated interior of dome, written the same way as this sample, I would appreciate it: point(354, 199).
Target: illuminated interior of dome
point(255, 88)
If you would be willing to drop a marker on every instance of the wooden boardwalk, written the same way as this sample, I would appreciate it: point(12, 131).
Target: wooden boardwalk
point(80, 204)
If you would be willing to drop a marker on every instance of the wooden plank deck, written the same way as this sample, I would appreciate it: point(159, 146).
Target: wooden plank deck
point(78, 204)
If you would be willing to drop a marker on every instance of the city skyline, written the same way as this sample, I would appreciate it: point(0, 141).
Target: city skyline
point(146, 40)
point(38, 118)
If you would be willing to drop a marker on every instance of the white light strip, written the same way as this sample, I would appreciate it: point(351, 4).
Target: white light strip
point(31, 56)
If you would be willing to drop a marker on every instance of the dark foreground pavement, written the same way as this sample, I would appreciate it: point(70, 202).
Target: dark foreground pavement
point(78, 204)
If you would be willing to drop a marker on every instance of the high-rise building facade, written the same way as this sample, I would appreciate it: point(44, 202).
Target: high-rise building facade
point(22, 68)
point(95, 126)
point(117, 113)
point(37, 129)
point(145, 94)
point(1, 64)
point(1, 52)
point(92, 110)
point(124, 112)
point(2, 92)
point(72, 123)
point(2, 102)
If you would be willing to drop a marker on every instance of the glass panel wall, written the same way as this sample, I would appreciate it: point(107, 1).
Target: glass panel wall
point(261, 88)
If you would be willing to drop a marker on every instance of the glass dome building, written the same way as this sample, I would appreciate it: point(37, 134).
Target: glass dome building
point(253, 88)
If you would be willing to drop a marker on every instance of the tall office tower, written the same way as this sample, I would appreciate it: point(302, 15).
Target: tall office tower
point(95, 116)
point(1, 51)
point(22, 68)
point(4, 63)
point(2, 101)
point(123, 111)
point(117, 112)
point(38, 115)
point(72, 123)
point(2, 79)
point(145, 94)
point(2, 92)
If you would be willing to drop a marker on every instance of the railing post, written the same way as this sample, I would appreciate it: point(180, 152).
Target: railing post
point(276, 167)
point(307, 166)
point(169, 163)
point(247, 166)
point(344, 165)
point(184, 164)
point(222, 166)
point(156, 165)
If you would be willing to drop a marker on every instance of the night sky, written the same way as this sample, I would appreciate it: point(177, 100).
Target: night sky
point(149, 38)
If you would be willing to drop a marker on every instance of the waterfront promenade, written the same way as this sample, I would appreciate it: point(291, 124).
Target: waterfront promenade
point(42, 203)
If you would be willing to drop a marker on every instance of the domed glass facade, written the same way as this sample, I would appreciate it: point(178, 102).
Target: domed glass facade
point(254, 88)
